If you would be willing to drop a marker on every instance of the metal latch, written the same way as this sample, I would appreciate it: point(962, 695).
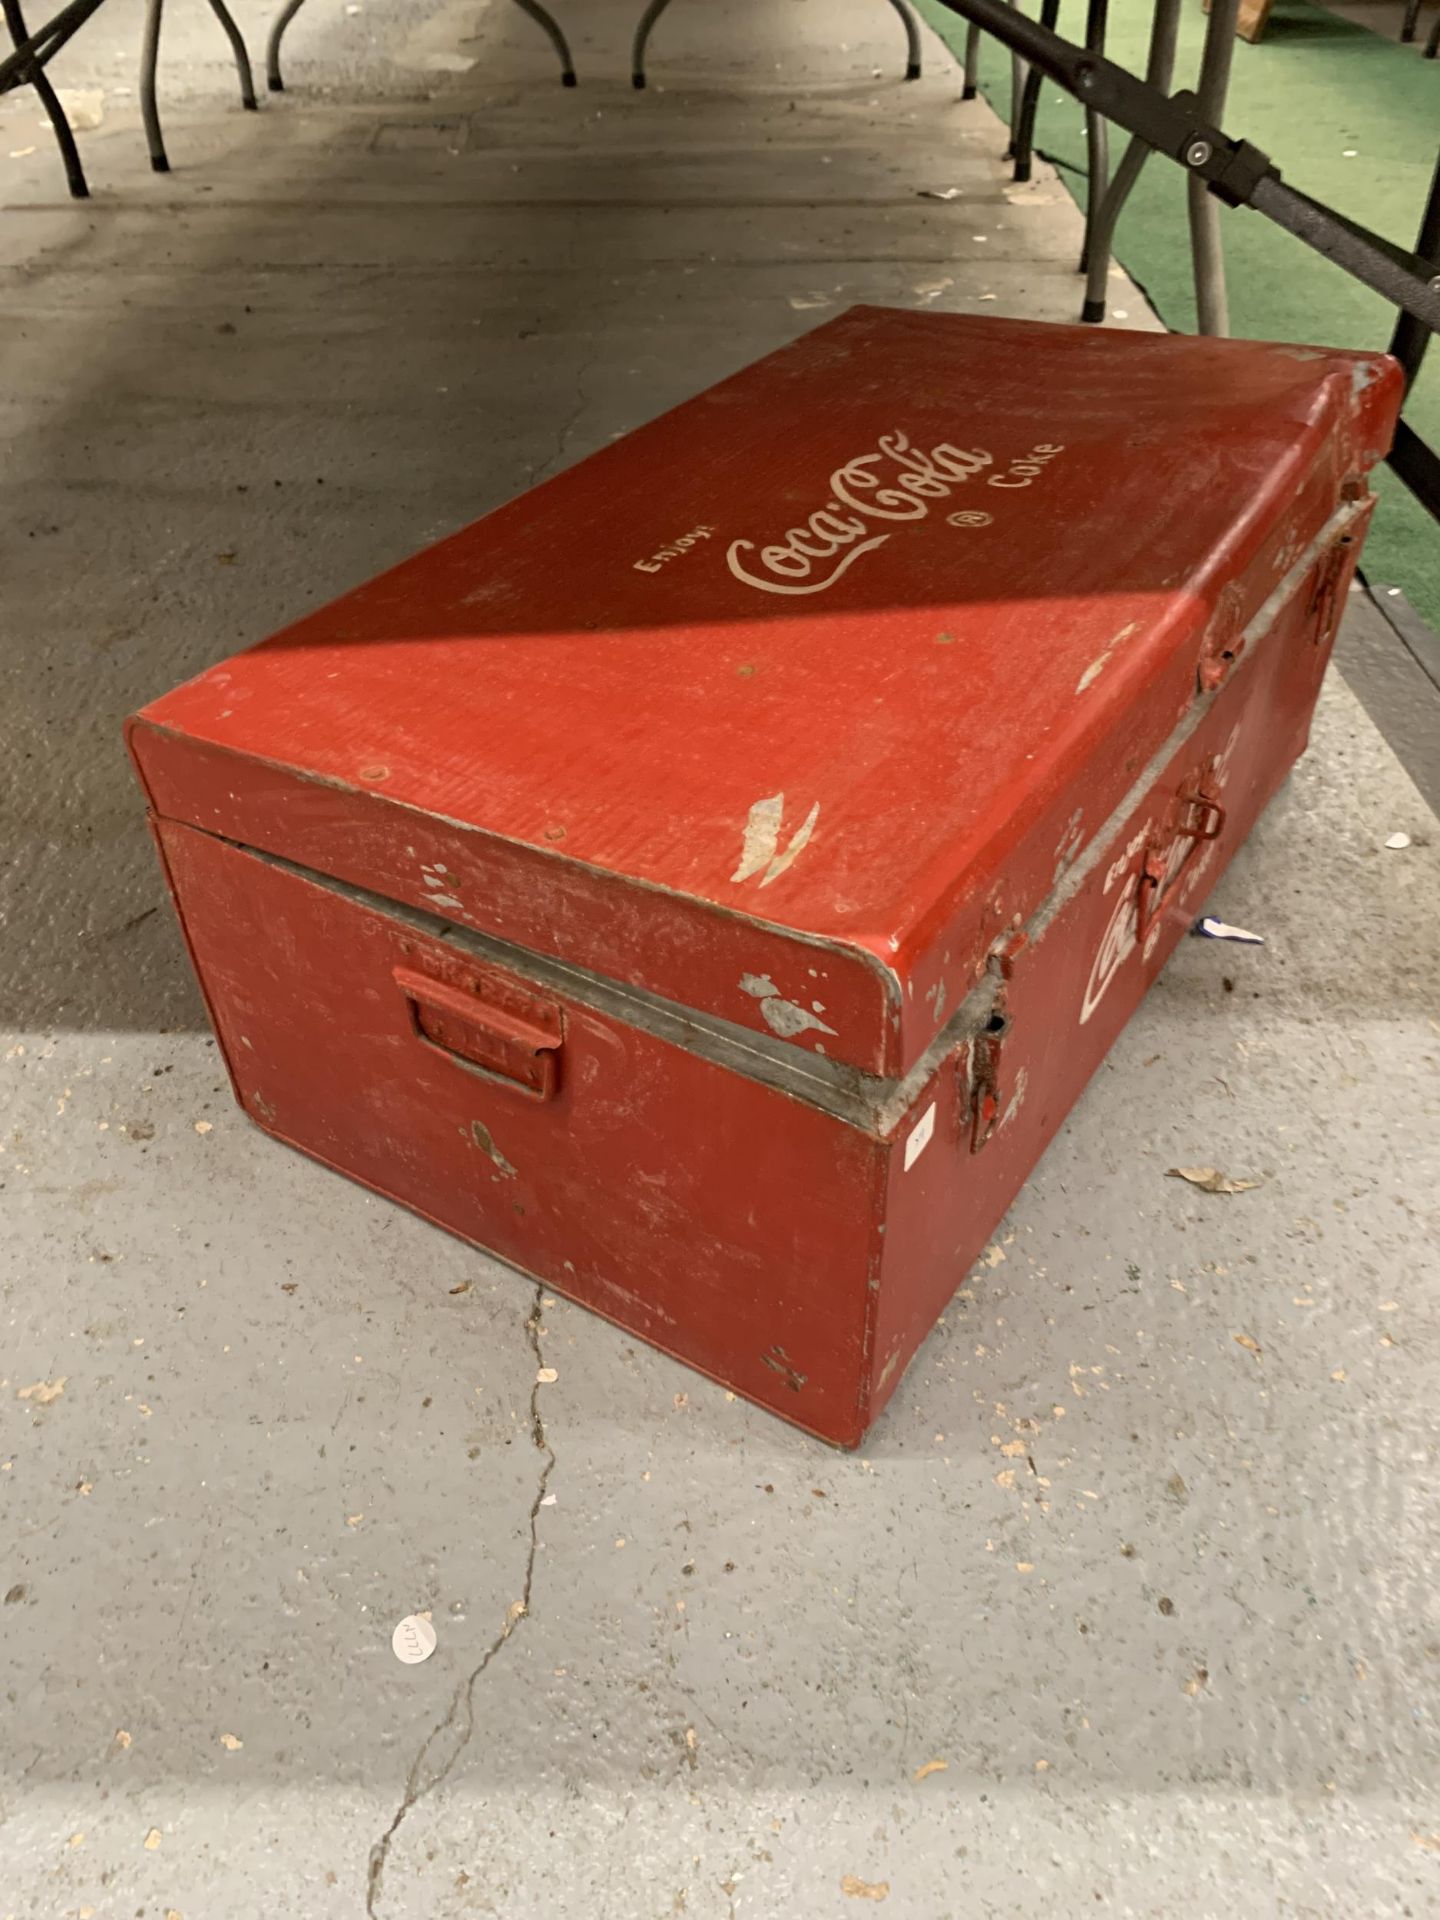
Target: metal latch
point(489, 1025)
point(1163, 862)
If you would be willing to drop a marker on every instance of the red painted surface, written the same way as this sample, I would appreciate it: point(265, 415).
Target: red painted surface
point(718, 1220)
point(1015, 560)
point(566, 748)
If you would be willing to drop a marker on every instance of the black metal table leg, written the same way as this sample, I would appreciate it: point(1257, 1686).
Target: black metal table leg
point(149, 111)
point(1024, 141)
point(972, 63)
point(238, 48)
point(912, 39)
point(1019, 70)
point(544, 19)
point(272, 46)
point(33, 72)
point(1097, 132)
point(1412, 336)
point(642, 36)
point(1159, 66)
point(1411, 20)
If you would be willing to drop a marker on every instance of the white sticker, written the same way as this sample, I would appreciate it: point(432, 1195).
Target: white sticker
point(920, 1136)
point(413, 1640)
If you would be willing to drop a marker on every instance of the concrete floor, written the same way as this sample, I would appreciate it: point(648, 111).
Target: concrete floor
point(1186, 1665)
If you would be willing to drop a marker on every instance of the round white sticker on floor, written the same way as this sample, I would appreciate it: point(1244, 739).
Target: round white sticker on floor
point(413, 1640)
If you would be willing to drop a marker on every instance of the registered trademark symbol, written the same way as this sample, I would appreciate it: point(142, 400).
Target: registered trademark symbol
point(970, 519)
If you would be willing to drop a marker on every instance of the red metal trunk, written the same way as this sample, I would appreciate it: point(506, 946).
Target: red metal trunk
point(709, 881)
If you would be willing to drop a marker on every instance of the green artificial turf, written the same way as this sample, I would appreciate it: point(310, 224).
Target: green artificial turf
point(1314, 87)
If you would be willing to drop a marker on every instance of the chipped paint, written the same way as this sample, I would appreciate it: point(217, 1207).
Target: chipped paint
point(1015, 1102)
point(479, 1135)
point(920, 1136)
point(441, 885)
point(780, 1362)
point(1102, 659)
point(781, 1016)
point(758, 985)
point(1069, 844)
point(788, 1020)
point(760, 850)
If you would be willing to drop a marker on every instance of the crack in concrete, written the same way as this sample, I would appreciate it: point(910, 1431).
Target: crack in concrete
point(458, 1722)
point(568, 426)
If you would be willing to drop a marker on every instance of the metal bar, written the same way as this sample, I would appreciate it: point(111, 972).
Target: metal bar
point(1024, 141)
point(1212, 307)
point(1418, 465)
point(1410, 339)
point(642, 35)
point(1408, 282)
point(1097, 133)
point(239, 50)
point(274, 80)
point(49, 41)
point(1412, 16)
point(35, 73)
point(543, 19)
point(1159, 65)
point(912, 39)
point(1019, 74)
point(15, 67)
point(1236, 172)
point(149, 111)
point(972, 63)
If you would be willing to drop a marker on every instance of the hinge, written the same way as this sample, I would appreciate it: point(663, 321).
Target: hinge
point(985, 1099)
point(987, 1103)
point(1224, 638)
point(1324, 608)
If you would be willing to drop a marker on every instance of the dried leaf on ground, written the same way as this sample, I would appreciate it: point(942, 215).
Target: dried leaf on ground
point(44, 1391)
point(1211, 1179)
point(1244, 1340)
point(859, 1889)
point(931, 1766)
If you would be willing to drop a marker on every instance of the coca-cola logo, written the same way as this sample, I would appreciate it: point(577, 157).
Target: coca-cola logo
point(898, 482)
